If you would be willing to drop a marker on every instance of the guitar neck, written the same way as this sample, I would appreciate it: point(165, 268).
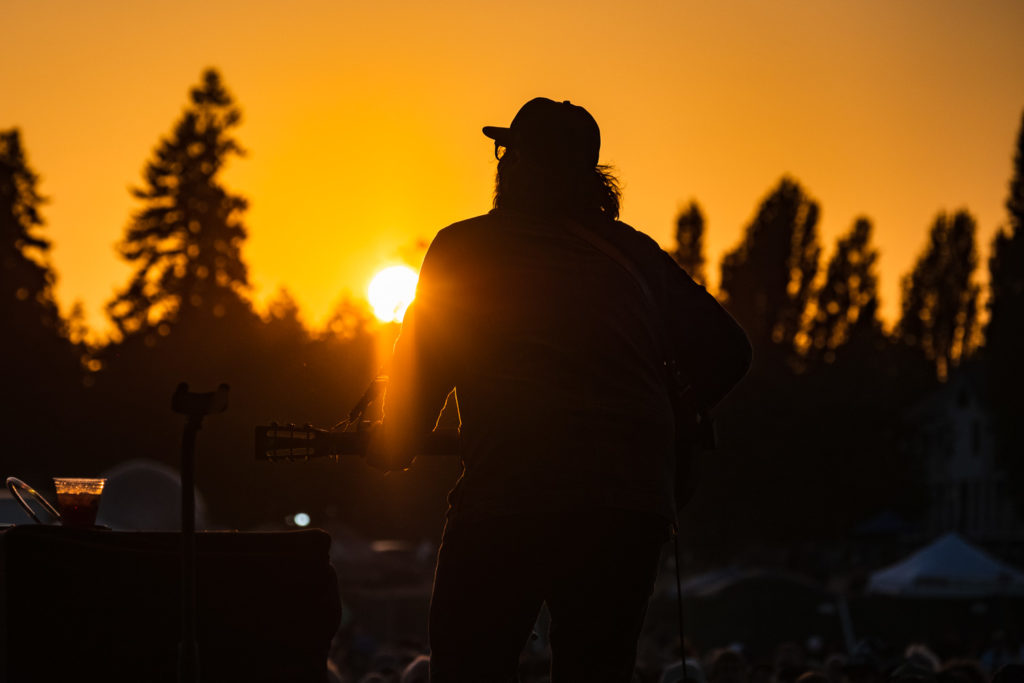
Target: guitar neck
point(289, 442)
point(440, 442)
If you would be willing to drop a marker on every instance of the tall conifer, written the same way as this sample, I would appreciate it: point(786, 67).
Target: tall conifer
point(767, 279)
point(40, 369)
point(1005, 330)
point(1004, 334)
point(940, 297)
point(185, 242)
point(848, 294)
point(26, 278)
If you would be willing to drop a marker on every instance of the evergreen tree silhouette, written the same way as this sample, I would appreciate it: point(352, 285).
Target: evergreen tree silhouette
point(36, 336)
point(26, 288)
point(848, 299)
point(184, 315)
point(1005, 330)
point(940, 298)
point(1004, 333)
point(767, 279)
point(38, 363)
point(186, 241)
point(689, 251)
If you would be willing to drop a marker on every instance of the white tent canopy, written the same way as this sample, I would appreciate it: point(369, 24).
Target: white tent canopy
point(948, 567)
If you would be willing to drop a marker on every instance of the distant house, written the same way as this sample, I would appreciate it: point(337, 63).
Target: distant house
point(952, 435)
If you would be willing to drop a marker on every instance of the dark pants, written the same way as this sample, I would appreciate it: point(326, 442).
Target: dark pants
point(595, 574)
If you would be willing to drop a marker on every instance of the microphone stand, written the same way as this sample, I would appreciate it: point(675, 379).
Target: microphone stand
point(194, 406)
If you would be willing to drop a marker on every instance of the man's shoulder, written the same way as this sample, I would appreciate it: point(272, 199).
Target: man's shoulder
point(469, 225)
point(662, 271)
point(625, 231)
point(490, 225)
point(464, 230)
point(635, 242)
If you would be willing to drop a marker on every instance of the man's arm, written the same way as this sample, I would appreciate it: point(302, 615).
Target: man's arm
point(420, 376)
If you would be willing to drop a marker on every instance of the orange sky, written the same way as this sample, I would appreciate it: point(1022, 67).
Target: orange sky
point(363, 119)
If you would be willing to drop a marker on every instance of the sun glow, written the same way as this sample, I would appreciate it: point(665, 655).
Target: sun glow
point(391, 291)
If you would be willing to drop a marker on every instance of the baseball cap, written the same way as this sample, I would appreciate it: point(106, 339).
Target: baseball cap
point(551, 131)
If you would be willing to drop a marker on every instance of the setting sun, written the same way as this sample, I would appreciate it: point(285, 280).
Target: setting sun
point(391, 291)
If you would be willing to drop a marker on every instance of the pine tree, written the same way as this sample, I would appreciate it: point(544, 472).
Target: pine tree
point(1005, 329)
point(940, 297)
point(40, 367)
point(848, 300)
point(26, 278)
point(186, 241)
point(767, 279)
point(1004, 333)
point(36, 338)
point(689, 252)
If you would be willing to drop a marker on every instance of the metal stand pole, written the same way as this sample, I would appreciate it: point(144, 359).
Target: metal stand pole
point(194, 406)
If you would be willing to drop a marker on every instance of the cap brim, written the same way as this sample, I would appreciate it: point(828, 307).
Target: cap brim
point(499, 135)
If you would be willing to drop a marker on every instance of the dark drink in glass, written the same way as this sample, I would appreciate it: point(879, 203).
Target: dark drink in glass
point(78, 500)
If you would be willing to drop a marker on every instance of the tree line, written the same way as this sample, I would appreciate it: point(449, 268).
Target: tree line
point(816, 437)
point(810, 443)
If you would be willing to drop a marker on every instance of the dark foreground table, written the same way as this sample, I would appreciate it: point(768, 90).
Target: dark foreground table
point(103, 605)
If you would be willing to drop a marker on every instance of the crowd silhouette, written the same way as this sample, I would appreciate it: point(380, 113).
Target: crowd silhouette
point(996, 659)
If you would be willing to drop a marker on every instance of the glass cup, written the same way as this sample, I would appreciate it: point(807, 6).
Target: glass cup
point(78, 500)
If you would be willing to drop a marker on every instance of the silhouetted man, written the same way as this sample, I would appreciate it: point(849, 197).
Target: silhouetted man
point(566, 493)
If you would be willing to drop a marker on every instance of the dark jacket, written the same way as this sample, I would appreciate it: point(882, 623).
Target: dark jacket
point(556, 362)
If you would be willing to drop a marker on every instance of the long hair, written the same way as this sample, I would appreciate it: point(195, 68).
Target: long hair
point(545, 188)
